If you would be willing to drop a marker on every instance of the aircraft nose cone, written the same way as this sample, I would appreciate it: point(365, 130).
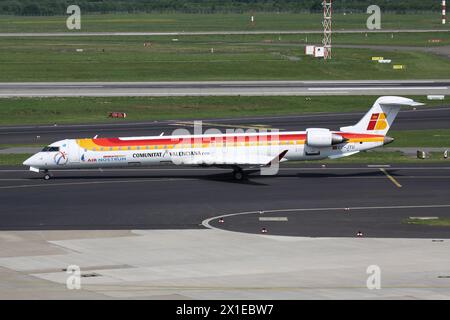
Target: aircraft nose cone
point(27, 162)
point(31, 161)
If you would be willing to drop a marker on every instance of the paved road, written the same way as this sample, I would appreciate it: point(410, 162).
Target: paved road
point(197, 33)
point(408, 119)
point(224, 88)
point(182, 198)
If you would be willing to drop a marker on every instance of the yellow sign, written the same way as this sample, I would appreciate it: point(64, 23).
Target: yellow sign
point(399, 67)
point(377, 58)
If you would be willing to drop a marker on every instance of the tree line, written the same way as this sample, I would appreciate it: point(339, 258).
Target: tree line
point(58, 7)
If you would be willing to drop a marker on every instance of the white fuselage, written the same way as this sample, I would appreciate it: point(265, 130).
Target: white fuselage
point(215, 150)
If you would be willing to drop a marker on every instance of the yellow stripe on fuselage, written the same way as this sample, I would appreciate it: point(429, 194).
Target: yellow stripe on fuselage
point(375, 139)
point(89, 144)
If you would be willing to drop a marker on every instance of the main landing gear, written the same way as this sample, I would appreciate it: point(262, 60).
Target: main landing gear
point(238, 174)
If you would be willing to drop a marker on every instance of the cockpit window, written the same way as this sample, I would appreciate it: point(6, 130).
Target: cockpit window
point(50, 149)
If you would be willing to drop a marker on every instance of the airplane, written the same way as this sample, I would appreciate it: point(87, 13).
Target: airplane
point(236, 151)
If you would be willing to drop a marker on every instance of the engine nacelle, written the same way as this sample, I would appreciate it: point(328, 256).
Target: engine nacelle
point(320, 138)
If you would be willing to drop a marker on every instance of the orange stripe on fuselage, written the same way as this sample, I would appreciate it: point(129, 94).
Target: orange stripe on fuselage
point(361, 137)
point(199, 141)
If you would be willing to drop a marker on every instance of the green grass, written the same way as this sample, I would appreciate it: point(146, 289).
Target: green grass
point(440, 222)
point(421, 138)
point(359, 38)
point(91, 110)
point(212, 22)
point(126, 59)
point(382, 39)
point(13, 159)
point(19, 145)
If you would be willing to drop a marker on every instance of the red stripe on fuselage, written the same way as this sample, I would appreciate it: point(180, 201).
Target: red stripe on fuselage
point(359, 135)
point(116, 142)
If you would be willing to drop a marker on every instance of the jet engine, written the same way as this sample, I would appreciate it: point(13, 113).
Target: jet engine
point(319, 138)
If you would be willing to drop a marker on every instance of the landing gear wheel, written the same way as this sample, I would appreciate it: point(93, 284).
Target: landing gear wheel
point(238, 175)
point(47, 176)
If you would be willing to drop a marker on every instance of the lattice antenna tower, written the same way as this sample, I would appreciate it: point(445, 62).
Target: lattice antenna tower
point(327, 28)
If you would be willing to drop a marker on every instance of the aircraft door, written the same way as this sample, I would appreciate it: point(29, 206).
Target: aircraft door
point(73, 152)
point(311, 151)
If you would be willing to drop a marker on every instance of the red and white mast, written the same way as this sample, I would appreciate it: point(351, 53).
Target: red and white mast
point(327, 27)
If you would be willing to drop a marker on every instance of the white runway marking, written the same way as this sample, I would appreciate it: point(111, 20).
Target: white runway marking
point(377, 88)
point(274, 219)
point(206, 222)
point(91, 183)
point(217, 32)
point(108, 93)
point(209, 124)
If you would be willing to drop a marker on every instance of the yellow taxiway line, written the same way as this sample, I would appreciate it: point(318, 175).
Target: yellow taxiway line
point(391, 178)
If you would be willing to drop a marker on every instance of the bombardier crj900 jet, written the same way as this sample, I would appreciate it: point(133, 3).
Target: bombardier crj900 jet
point(236, 151)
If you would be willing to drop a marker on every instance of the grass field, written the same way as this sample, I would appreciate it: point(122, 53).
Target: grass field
point(421, 138)
point(382, 39)
point(92, 110)
point(212, 22)
point(439, 222)
point(13, 159)
point(127, 59)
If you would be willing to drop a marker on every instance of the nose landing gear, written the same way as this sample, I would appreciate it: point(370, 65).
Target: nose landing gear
point(47, 175)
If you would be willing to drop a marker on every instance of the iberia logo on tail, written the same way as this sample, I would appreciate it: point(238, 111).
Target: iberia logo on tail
point(377, 122)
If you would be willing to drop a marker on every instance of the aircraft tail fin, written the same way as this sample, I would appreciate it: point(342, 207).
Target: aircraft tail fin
point(379, 119)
